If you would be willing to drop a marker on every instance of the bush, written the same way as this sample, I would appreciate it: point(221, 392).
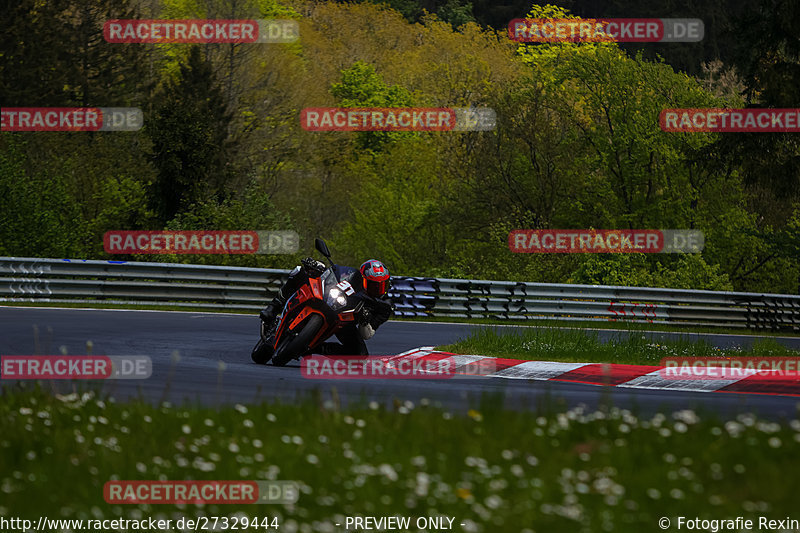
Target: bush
point(687, 271)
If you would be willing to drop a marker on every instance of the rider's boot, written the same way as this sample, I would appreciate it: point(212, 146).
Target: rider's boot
point(272, 310)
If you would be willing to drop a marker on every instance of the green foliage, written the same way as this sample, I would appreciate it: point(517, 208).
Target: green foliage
point(362, 86)
point(789, 240)
point(766, 54)
point(395, 213)
point(692, 272)
point(253, 211)
point(688, 271)
point(189, 134)
point(124, 204)
point(62, 203)
point(40, 218)
point(617, 269)
point(577, 142)
point(410, 9)
point(173, 55)
point(456, 13)
point(52, 53)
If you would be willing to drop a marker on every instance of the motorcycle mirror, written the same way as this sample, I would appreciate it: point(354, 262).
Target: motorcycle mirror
point(322, 247)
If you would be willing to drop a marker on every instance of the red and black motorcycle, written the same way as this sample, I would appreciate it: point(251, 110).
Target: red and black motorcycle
point(315, 312)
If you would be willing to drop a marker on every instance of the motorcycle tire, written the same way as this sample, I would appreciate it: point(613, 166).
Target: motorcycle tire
point(299, 343)
point(262, 353)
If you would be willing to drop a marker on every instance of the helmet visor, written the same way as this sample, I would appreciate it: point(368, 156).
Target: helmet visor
point(376, 289)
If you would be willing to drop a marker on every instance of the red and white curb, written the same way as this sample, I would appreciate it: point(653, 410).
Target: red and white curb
point(613, 375)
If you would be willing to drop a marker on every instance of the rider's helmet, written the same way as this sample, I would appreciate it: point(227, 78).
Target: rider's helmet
point(376, 278)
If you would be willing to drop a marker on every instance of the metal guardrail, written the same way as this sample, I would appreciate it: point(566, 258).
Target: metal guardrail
point(200, 286)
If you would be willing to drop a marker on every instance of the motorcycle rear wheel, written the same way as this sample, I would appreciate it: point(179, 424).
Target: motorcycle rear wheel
point(299, 344)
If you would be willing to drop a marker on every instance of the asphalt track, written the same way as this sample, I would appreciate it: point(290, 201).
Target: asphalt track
point(203, 340)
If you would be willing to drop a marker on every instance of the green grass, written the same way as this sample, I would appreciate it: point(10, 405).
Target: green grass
point(548, 344)
point(621, 325)
point(492, 470)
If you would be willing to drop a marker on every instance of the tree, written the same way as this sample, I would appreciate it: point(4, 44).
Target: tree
point(54, 54)
point(361, 86)
point(454, 12)
point(37, 207)
point(767, 56)
point(189, 131)
point(251, 210)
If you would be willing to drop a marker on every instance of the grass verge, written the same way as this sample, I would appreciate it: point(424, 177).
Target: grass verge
point(492, 470)
point(618, 324)
point(548, 344)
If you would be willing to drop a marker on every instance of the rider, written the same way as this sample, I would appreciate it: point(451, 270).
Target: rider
point(372, 279)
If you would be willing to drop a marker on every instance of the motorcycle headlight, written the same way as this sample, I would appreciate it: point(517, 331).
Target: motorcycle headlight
point(336, 298)
point(339, 296)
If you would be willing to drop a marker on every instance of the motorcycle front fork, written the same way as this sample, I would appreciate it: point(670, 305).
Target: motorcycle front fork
point(268, 330)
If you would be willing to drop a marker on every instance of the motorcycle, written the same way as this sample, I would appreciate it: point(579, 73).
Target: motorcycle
point(316, 311)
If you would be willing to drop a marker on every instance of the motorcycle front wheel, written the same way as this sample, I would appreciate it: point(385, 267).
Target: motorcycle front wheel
point(262, 353)
point(298, 343)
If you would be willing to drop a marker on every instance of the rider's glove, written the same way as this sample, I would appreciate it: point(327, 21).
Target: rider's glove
point(366, 316)
point(381, 312)
point(313, 267)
